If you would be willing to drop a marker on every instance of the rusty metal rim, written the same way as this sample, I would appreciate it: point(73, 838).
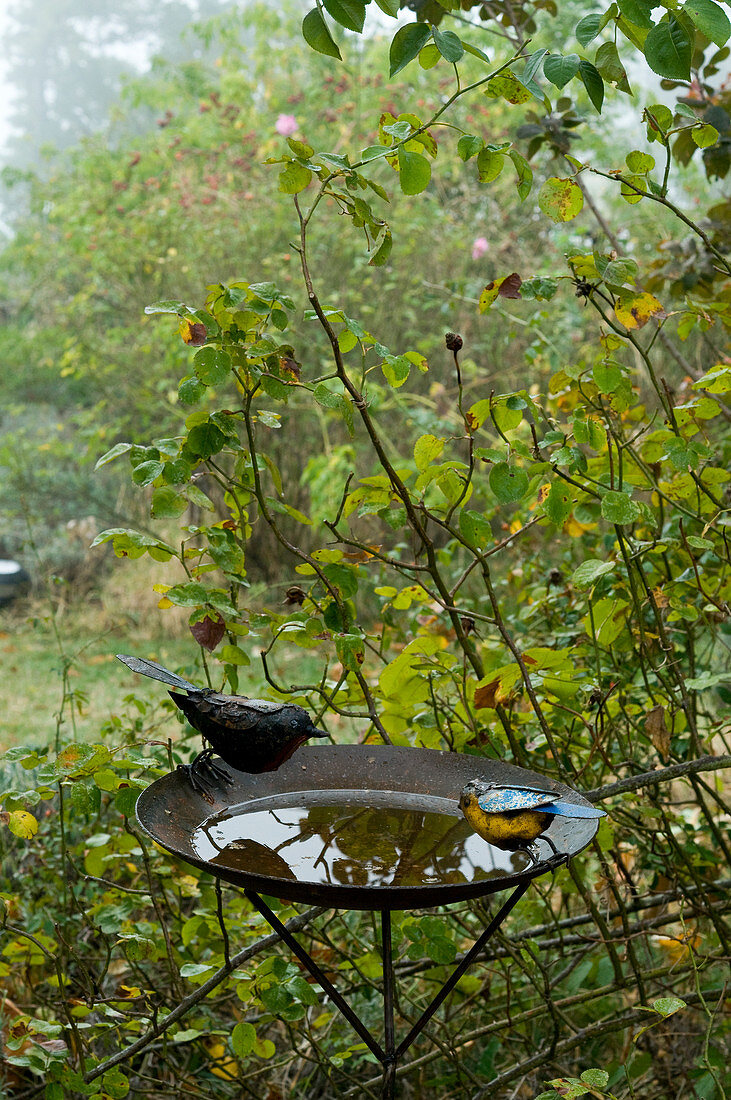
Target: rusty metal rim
point(169, 810)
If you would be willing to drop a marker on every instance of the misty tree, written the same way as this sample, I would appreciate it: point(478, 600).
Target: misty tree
point(67, 58)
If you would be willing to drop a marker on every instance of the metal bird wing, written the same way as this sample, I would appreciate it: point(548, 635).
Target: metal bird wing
point(156, 672)
point(236, 712)
point(503, 800)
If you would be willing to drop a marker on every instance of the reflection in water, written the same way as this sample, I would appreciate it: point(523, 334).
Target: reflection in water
point(353, 838)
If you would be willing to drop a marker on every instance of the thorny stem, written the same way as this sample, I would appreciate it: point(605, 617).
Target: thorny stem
point(397, 483)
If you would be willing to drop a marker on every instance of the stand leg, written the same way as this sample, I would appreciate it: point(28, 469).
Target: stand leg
point(389, 1062)
point(389, 1058)
point(319, 976)
point(459, 970)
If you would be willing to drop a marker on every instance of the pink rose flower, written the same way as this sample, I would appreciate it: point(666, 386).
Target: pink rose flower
point(286, 125)
point(479, 247)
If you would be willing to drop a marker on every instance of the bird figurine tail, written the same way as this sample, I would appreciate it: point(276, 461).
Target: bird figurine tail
point(155, 672)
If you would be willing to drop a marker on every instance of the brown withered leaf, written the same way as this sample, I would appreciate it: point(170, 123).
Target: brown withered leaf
point(208, 631)
point(290, 365)
point(361, 555)
point(193, 332)
point(658, 732)
point(510, 286)
point(295, 595)
point(486, 696)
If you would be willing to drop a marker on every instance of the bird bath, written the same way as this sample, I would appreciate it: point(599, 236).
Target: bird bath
point(357, 827)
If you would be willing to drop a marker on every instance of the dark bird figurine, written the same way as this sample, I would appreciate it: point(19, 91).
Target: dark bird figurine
point(252, 735)
point(512, 817)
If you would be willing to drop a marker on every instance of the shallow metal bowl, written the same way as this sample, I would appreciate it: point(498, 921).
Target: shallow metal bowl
point(374, 868)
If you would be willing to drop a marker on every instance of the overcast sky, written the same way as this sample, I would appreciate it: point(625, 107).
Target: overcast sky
point(4, 89)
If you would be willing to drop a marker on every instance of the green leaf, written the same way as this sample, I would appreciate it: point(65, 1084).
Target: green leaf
point(607, 376)
point(592, 81)
point(134, 544)
point(524, 172)
point(506, 85)
point(560, 199)
point(476, 52)
point(639, 162)
point(532, 65)
point(316, 35)
point(191, 391)
point(609, 617)
point(300, 149)
point(414, 172)
point(710, 19)
point(619, 507)
point(147, 472)
point(115, 1084)
point(205, 440)
point(117, 450)
point(406, 44)
point(426, 449)
point(348, 13)
point(448, 44)
point(597, 1078)
point(590, 571)
point(429, 56)
point(588, 28)
point(704, 136)
point(476, 528)
point(194, 970)
point(168, 307)
point(558, 503)
point(666, 1006)
point(668, 49)
point(560, 68)
point(716, 380)
point(619, 272)
point(610, 66)
point(395, 369)
point(508, 483)
point(489, 165)
point(637, 12)
point(538, 289)
point(468, 146)
point(211, 366)
point(381, 250)
point(167, 504)
point(243, 1038)
point(294, 178)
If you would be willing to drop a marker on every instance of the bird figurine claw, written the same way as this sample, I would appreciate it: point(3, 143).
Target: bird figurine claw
point(251, 735)
point(203, 773)
point(512, 817)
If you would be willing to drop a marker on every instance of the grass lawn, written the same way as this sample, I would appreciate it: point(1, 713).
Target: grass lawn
point(121, 617)
point(32, 675)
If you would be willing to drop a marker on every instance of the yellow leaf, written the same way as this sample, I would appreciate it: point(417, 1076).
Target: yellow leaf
point(22, 824)
point(635, 310)
point(679, 947)
point(224, 1066)
point(573, 528)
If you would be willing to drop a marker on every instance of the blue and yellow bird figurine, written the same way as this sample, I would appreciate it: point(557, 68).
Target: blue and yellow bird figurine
point(513, 817)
